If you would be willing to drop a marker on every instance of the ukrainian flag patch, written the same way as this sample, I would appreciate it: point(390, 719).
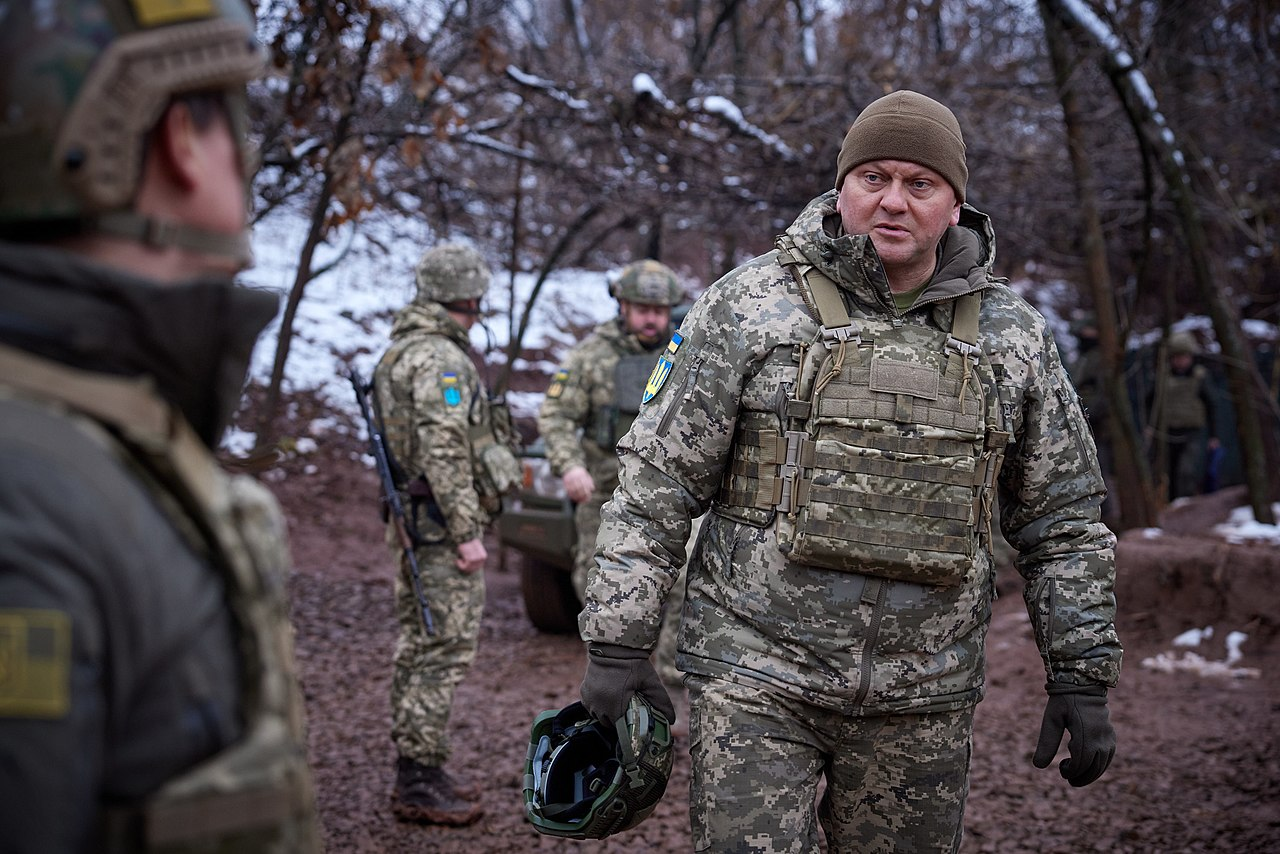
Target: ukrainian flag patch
point(557, 384)
point(35, 663)
point(662, 370)
point(450, 389)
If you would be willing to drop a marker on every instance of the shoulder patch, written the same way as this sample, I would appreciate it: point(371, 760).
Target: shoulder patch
point(35, 663)
point(662, 370)
point(450, 389)
point(557, 384)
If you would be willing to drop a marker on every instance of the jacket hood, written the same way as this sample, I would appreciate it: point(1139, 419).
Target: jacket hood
point(965, 257)
point(429, 318)
point(194, 339)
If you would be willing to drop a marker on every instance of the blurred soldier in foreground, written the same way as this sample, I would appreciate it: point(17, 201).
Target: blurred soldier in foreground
point(590, 404)
point(453, 448)
point(847, 407)
point(147, 691)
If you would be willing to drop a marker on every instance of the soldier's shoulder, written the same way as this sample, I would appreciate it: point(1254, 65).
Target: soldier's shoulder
point(1005, 315)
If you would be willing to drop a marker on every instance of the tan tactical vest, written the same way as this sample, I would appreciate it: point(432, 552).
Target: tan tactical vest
point(1183, 407)
point(889, 447)
point(257, 794)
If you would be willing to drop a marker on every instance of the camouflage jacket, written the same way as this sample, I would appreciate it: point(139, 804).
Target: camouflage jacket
point(842, 639)
point(142, 590)
point(435, 409)
point(582, 395)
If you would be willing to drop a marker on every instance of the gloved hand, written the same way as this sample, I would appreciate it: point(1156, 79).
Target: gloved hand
point(1081, 711)
point(614, 674)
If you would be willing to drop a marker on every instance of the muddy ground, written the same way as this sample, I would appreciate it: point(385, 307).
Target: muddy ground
point(1197, 768)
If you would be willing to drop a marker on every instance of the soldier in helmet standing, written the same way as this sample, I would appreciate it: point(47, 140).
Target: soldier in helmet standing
point(592, 400)
point(147, 685)
point(848, 407)
point(453, 446)
point(1183, 416)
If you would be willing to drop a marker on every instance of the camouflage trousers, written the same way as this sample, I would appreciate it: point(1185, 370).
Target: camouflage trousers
point(892, 783)
point(427, 670)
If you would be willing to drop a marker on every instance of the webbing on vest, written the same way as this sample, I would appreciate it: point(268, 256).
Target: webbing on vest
point(163, 450)
point(905, 500)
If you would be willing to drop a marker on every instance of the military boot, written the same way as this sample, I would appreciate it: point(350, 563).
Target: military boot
point(426, 794)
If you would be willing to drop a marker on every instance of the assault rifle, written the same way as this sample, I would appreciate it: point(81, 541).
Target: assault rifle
point(391, 497)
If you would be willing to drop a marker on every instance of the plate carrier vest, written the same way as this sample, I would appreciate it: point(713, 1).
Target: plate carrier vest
point(890, 446)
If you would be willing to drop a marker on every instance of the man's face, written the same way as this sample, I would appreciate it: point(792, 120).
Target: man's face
point(464, 311)
point(647, 322)
point(905, 208)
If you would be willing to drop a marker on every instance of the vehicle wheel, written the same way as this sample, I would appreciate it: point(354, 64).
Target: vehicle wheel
point(549, 597)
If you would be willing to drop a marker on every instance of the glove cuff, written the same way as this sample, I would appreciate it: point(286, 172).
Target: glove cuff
point(1055, 688)
point(610, 650)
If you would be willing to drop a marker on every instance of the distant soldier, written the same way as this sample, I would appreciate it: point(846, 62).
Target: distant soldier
point(452, 444)
point(591, 402)
point(848, 407)
point(1086, 374)
point(148, 699)
point(1183, 416)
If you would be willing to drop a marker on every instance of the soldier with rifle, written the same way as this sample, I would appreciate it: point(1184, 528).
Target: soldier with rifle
point(449, 456)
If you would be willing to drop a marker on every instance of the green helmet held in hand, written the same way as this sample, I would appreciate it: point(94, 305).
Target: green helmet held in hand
point(81, 86)
point(585, 779)
point(647, 282)
point(450, 272)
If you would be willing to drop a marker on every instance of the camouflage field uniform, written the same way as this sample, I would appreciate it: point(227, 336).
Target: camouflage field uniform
point(584, 415)
point(868, 654)
point(147, 685)
point(439, 421)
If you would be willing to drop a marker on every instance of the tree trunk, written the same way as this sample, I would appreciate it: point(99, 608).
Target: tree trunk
point(1133, 475)
point(1139, 102)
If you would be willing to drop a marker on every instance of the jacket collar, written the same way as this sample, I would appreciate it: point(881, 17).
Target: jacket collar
point(194, 339)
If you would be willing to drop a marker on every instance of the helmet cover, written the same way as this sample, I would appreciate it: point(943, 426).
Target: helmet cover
point(452, 271)
point(649, 283)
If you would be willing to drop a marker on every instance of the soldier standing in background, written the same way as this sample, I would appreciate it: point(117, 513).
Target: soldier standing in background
point(1183, 417)
point(590, 404)
point(147, 685)
point(452, 444)
point(846, 406)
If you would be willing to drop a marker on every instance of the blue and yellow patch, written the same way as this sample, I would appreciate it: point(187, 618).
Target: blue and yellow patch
point(450, 389)
point(35, 663)
point(662, 370)
point(557, 384)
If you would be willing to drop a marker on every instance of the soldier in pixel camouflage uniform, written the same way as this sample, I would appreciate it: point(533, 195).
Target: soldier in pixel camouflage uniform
point(590, 404)
point(452, 444)
point(848, 406)
point(147, 682)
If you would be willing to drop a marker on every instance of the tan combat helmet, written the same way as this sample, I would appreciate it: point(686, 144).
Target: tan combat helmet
point(452, 271)
point(1183, 343)
point(81, 86)
point(648, 283)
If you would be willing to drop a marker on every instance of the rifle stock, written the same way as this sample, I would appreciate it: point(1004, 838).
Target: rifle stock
point(391, 497)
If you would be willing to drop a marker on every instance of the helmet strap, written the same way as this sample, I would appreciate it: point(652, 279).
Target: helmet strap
point(163, 234)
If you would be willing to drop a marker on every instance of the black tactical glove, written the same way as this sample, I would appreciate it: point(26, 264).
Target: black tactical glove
point(1081, 711)
point(614, 674)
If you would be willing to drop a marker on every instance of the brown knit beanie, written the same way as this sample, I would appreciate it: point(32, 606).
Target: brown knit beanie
point(906, 125)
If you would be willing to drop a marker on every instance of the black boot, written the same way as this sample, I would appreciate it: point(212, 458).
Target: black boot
point(426, 794)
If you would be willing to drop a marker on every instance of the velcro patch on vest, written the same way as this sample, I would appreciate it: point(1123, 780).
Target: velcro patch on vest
point(35, 663)
point(894, 377)
point(557, 384)
point(449, 388)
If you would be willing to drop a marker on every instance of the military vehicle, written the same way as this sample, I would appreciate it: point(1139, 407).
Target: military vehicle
point(537, 524)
